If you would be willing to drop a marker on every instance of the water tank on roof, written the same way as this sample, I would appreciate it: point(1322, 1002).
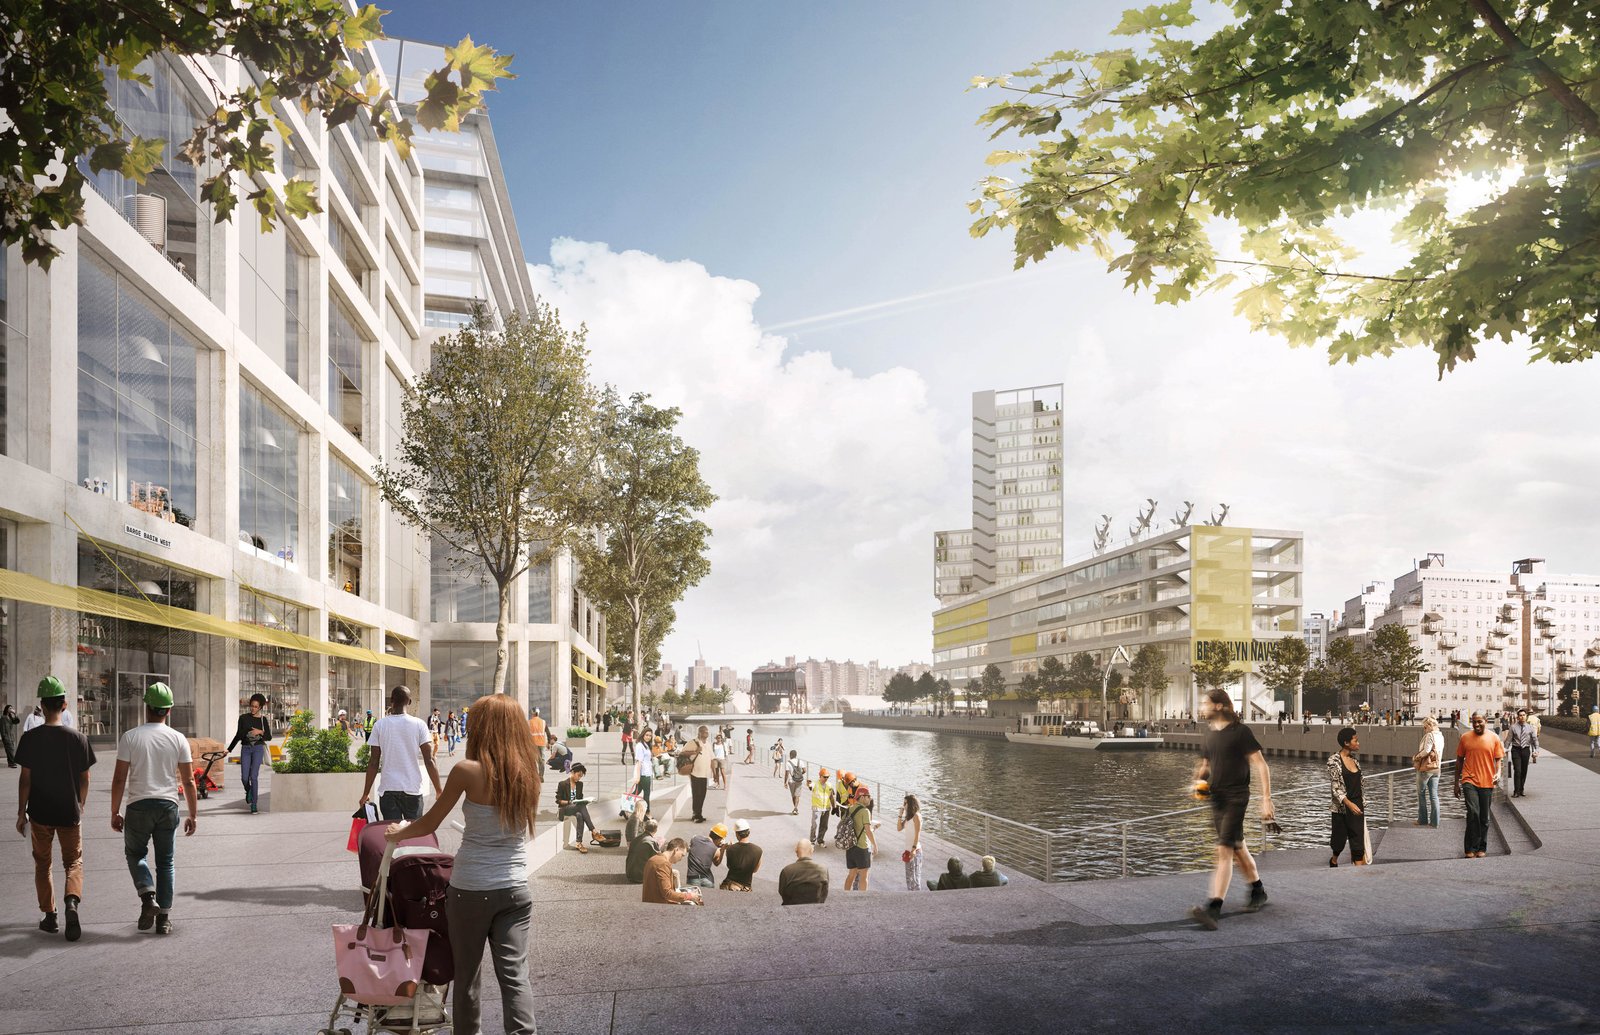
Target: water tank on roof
point(150, 219)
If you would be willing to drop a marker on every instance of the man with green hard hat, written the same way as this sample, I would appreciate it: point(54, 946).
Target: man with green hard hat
point(153, 763)
point(51, 792)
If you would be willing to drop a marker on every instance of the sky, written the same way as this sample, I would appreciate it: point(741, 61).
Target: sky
point(758, 210)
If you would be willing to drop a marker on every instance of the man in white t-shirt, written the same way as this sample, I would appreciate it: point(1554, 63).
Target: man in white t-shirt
point(401, 746)
point(153, 763)
point(36, 718)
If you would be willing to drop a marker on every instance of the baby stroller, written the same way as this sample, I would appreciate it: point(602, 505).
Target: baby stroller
point(405, 882)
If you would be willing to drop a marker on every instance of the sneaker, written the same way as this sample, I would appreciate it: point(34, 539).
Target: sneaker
point(147, 910)
point(74, 931)
point(1258, 898)
point(163, 924)
point(1206, 916)
point(48, 925)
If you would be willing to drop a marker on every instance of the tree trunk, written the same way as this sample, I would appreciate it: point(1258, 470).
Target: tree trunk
point(501, 621)
point(638, 659)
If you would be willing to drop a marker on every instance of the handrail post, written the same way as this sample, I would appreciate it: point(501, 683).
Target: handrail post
point(986, 834)
point(1049, 858)
point(1391, 799)
point(1124, 849)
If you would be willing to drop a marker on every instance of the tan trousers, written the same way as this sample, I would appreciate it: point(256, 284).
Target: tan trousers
point(71, 839)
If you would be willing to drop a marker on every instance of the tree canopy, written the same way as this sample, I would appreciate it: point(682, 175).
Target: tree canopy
point(1291, 116)
point(1213, 666)
point(55, 107)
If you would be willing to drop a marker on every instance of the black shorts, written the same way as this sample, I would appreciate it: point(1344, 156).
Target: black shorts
point(1227, 813)
point(857, 858)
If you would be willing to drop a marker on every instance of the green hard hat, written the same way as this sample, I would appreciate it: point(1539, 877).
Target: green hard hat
point(50, 686)
point(158, 696)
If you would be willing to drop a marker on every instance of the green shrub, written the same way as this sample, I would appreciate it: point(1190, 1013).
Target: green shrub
point(577, 731)
point(308, 749)
point(1566, 722)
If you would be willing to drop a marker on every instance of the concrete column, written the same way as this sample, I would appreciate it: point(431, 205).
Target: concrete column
point(46, 639)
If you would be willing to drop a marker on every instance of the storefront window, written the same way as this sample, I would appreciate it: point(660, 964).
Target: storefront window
point(269, 479)
point(347, 498)
point(541, 675)
point(275, 672)
point(350, 682)
point(137, 398)
point(118, 659)
point(463, 672)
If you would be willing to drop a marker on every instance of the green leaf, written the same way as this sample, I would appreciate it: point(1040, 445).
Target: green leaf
point(363, 27)
point(300, 198)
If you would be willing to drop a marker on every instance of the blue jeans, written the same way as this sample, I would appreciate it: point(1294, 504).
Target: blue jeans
point(1428, 798)
point(397, 805)
point(1478, 801)
point(250, 759)
point(152, 819)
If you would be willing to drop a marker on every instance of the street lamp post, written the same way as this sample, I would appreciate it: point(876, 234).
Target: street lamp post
point(1105, 684)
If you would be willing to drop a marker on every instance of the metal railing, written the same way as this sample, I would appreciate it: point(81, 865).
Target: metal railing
point(1119, 848)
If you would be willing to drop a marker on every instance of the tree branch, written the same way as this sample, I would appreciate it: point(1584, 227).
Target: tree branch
point(1574, 105)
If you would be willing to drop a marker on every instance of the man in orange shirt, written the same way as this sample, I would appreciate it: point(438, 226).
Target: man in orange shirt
point(661, 880)
point(537, 728)
point(1478, 755)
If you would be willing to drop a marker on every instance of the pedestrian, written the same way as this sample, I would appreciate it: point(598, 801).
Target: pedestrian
point(803, 882)
point(401, 749)
point(627, 739)
point(858, 857)
point(1594, 730)
point(536, 726)
point(644, 766)
point(35, 719)
point(821, 806)
point(1228, 754)
point(719, 758)
point(705, 854)
point(911, 816)
point(1478, 755)
point(777, 759)
point(744, 860)
point(452, 731)
point(366, 726)
point(699, 751)
point(1430, 752)
point(488, 899)
point(252, 735)
point(796, 781)
point(1349, 820)
point(749, 746)
point(52, 790)
point(660, 879)
point(1523, 740)
point(10, 730)
point(154, 766)
point(641, 849)
point(570, 803)
point(435, 728)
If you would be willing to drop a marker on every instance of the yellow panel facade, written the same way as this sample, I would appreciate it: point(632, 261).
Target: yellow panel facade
point(1220, 589)
point(961, 615)
point(957, 637)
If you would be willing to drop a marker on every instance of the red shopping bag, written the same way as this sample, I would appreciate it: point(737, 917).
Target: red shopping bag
point(367, 813)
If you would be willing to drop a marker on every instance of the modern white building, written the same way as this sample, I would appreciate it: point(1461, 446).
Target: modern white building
point(1316, 629)
point(191, 413)
point(1175, 590)
point(1492, 640)
point(1016, 495)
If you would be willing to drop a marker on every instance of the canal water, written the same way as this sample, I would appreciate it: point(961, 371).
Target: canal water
point(1063, 791)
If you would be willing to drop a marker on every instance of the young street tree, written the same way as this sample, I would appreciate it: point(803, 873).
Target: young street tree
point(1287, 117)
point(1397, 660)
point(1319, 691)
point(1285, 667)
point(994, 684)
point(1213, 666)
point(57, 110)
point(1350, 668)
point(975, 698)
point(497, 449)
point(1083, 677)
point(1052, 681)
point(650, 544)
point(1149, 673)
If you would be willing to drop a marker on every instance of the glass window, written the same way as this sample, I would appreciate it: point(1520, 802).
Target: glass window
point(541, 605)
point(13, 350)
point(446, 319)
point(277, 673)
point(347, 499)
point(351, 686)
point(275, 296)
point(454, 272)
point(269, 479)
point(348, 349)
point(460, 673)
point(453, 210)
point(461, 590)
point(137, 403)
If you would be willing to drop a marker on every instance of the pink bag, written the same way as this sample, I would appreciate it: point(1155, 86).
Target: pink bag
point(379, 965)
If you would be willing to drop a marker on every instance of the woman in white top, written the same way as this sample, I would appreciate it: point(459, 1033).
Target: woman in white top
point(719, 757)
point(644, 766)
point(1429, 752)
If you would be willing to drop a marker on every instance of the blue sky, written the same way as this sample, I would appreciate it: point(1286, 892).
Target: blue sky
point(724, 174)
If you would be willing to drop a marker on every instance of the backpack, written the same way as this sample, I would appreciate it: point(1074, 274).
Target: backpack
point(417, 885)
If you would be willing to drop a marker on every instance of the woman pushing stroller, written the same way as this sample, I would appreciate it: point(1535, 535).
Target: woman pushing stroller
point(489, 900)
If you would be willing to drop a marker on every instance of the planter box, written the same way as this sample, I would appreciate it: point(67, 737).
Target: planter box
point(315, 792)
point(576, 743)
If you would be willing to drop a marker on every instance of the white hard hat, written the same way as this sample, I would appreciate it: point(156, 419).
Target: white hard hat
point(740, 826)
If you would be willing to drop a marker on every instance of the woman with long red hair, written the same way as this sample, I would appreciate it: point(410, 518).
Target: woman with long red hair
point(489, 899)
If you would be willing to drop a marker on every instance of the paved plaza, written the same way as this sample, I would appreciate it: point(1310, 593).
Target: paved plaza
point(1420, 942)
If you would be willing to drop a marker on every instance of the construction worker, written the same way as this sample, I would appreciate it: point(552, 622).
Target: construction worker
point(536, 726)
point(821, 805)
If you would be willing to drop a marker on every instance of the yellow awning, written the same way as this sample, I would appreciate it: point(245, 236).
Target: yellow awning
point(14, 585)
point(587, 678)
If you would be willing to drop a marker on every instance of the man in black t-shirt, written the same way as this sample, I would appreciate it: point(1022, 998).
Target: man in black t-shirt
point(744, 859)
point(51, 792)
point(1229, 752)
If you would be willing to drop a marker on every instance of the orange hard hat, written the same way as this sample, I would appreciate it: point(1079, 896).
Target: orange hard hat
point(823, 771)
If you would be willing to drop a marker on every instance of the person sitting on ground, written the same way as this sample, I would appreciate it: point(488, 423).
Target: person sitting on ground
point(953, 878)
point(705, 853)
point(744, 859)
point(640, 851)
point(570, 803)
point(560, 756)
point(986, 876)
point(803, 882)
point(636, 820)
point(661, 880)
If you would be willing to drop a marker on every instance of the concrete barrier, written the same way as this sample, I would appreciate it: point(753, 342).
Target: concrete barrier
point(1391, 745)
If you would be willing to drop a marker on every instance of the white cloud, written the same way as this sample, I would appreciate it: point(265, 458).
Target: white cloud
point(826, 477)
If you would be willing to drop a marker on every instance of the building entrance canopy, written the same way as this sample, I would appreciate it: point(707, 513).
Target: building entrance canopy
point(14, 585)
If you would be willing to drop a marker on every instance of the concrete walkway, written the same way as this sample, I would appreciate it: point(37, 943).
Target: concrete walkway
point(1506, 943)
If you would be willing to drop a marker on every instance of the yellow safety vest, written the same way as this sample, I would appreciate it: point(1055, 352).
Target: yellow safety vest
point(536, 727)
point(1594, 724)
point(821, 793)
